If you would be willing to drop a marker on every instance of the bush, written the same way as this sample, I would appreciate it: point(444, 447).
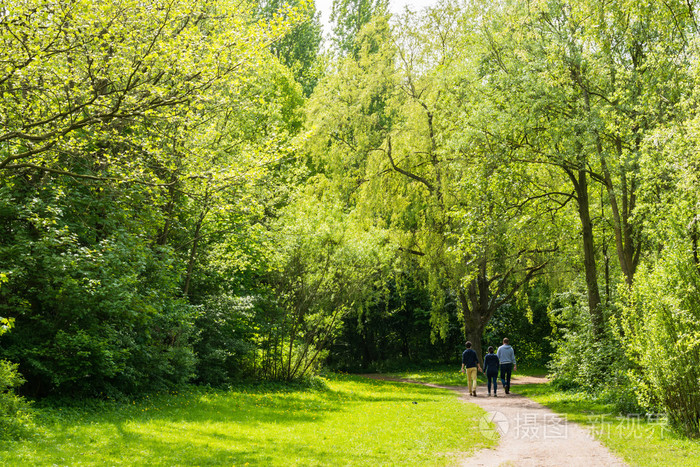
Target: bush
point(225, 350)
point(91, 319)
point(662, 325)
point(598, 366)
point(96, 301)
point(15, 414)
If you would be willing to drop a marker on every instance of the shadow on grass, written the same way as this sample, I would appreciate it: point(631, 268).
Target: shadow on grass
point(212, 427)
point(205, 447)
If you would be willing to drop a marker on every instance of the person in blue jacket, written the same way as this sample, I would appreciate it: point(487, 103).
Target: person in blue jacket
point(491, 370)
point(470, 362)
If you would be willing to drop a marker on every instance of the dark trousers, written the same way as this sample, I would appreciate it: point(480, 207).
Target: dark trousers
point(492, 377)
point(506, 370)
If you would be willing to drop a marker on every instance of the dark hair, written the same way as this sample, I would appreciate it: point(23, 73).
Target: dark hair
point(505, 340)
point(468, 344)
point(490, 349)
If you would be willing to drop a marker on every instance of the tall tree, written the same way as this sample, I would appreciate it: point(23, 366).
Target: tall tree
point(396, 160)
point(581, 84)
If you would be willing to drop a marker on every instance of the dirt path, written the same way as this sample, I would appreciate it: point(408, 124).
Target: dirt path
point(531, 434)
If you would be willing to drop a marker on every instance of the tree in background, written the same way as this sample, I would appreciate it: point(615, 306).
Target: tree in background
point(579, 108)
point(299, 50)
point(384, 129)
point(591, 90)
point(660, 320)
point(349, 17)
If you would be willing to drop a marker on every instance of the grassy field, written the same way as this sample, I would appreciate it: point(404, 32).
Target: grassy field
point(344, 421)
point(640, 440)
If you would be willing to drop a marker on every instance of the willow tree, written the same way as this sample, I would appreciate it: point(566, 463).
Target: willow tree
point(385, 132)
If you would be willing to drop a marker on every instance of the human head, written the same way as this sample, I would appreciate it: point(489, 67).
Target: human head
point(505, 341)
point(468, 344)
point(490, 349)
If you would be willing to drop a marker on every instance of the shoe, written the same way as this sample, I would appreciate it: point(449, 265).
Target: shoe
point(495, 395)
point(488, 395)
point(507, 389)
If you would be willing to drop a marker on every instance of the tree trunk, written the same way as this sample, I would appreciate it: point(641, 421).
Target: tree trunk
point(589, 261)
point(473, 329)
point(475, 338)
point(626, 247)
point(621, 241)
point(168, 210)
point(694, 239)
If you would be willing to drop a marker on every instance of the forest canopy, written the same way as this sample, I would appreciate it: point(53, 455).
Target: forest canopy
point(205, 191)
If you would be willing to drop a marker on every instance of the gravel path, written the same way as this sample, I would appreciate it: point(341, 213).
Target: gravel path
point(530, 433)
point(533, 435)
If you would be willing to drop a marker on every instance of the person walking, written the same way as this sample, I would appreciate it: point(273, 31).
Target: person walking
point(491, 370)
point(506, 357)
point(470, 362)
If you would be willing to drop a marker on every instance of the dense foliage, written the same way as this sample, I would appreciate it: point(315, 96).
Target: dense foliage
point(198, 191)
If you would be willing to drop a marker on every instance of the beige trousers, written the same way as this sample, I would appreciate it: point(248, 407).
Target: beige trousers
point(471, 379)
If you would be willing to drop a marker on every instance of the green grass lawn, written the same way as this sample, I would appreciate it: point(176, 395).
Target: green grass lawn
point(640, 440)
point(349, 421)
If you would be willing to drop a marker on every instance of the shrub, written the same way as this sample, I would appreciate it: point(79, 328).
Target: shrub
point(662, 324)
point(224, 349)
point(596, 365)
point(15, 414)
point(90, 320)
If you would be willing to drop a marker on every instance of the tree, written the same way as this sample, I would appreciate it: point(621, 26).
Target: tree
point(324, 266)
point(662, 306)
point(385, 134)
point(116, 123)
point(582, 84)
point(80, 73)
point(349, 17)
point(299, 49)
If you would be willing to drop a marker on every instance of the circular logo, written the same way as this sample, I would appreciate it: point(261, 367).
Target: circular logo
point(493, 425)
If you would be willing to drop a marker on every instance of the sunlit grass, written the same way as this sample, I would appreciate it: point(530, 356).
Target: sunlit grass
point(352, 421)
point(640, 440)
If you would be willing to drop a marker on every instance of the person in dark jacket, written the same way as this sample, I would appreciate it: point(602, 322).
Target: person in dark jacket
point(491, 370)
point(470, 362)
